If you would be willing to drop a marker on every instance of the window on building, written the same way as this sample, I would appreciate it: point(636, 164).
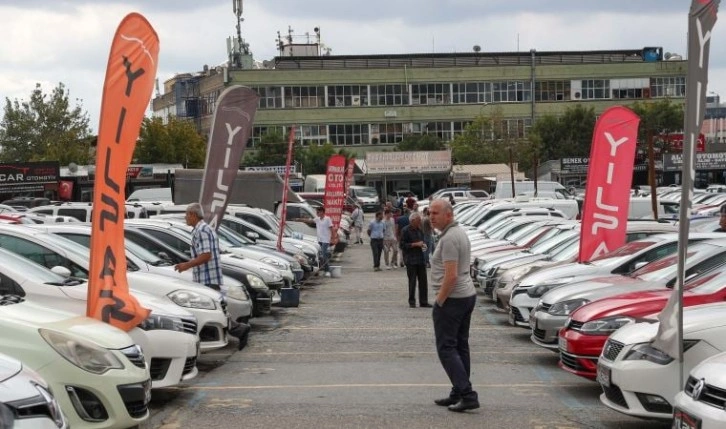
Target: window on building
point(516, 127)
point(595, 89)
point(472, 92)
point(258, 132)
point(389, 95)
point(387, 133)
point(270, 97)
point(668, 87)
point(511, 91)
point(348, 134)
point(440, 129)
point(304, 96)
point(552, 90)
point(311, 134)
point(459, 127)
point(431, 93)
point(347, 95)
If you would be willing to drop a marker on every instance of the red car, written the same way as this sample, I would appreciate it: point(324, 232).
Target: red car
point(590, 325)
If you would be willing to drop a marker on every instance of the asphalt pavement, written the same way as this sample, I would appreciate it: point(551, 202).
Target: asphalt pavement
point(354, 355)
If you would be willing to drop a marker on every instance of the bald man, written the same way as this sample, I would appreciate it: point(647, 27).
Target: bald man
point(455, 301)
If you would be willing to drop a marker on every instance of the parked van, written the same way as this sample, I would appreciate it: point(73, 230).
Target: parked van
point(150, 194)
point(366, 197)
point(315, 183)
point(504, 189)
point(82, 211)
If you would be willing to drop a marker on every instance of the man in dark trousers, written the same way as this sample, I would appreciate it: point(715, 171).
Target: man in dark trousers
point(455, 302)
point(414, 246)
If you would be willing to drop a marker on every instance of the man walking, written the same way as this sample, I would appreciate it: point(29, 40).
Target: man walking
point(324, 229)
point(390, 244)
point(413, 247)
point(454, 305)
point(205, 265)
point(357, 218)
point(376, 231)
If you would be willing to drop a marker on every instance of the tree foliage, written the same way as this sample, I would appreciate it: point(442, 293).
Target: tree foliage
point(45, 128)
point(176, 142)
point(659, 119)
point(417, 142)
point(485, 141)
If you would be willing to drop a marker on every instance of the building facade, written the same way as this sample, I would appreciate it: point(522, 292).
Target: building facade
point(369, 103)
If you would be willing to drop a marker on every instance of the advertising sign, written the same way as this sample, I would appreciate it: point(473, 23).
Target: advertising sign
point(26, 174)
point(607, 196)
point(335, 189)
point(438, 161)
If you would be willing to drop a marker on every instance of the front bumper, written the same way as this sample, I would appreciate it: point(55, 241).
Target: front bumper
point(710, 416)
point(106, 394)
point(521, 306)
point(239, 310)
point(212, 328)
point(581, 352)
point(170, 355)
point(545, 328)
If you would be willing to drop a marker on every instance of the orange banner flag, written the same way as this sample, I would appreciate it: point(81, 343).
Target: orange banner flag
point(127, 90)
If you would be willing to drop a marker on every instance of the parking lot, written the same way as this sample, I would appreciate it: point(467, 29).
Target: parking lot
point(353, 354)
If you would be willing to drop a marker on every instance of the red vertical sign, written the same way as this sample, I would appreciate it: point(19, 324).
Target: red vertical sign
point(335, 189)
point(283, 213)
point(609, 176)
point(349, 174)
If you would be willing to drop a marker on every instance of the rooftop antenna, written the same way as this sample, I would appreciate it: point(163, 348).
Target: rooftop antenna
point(240, 47)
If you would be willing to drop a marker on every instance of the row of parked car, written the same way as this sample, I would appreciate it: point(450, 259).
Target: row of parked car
point(60, 369)
point(601, 316)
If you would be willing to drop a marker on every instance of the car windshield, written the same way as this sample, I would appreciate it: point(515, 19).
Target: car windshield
point(550, 239)
point(534, 232)
point(517, 234)
point(366, 192)
point(708, 282)
point(145, 255)
point(567, 252)
point(626, 250)
point(30, 270)
point(230, 236)
point(665, 268)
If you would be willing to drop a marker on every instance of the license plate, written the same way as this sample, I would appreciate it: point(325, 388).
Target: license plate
point(603, 375)
point(683, 420)
point(562, 344)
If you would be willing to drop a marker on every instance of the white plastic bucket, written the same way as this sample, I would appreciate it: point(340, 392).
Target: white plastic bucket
point(336, 271)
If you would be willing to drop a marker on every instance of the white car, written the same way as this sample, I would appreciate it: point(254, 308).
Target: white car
point(95, 371)
point(51, 251)
point(168, 336)
point(640, 380)
point(702, 402)
point(25, 399)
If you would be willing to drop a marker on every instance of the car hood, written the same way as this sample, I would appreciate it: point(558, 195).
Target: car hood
point(713, 370)
point(8, 367)
point(158, 284)
point(552, 274)
point(519, 259)
point(37, 317)
point(699, 318)
point(642, 332)
point(599, 288)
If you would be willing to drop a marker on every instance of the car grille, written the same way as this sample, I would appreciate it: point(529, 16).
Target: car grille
point(190, 326)
point(158, 368)
point(134, 355)
point(654, 408)
point(137, 409)
point(136, 398)
point(209, 333)
point(575, 325)
point(539, 334)
point(189, 365)
point(570, 361)
point(615, 395)
point(517, 315)
point(612, 349)
point(711, 395)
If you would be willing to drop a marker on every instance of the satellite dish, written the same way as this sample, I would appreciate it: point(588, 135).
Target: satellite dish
point(73, 167)
point(477, 48)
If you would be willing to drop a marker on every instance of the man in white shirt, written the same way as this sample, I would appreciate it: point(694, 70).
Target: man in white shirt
point(324, 228)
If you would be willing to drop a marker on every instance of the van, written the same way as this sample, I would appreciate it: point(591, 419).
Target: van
point(366, 197)
point(315, 183)
point(504, 189)
point(80, 211)
point(150, 194)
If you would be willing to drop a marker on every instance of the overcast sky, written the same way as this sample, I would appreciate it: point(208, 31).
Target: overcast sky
point(51, 41)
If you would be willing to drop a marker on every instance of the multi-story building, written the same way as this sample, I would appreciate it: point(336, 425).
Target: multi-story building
point(370, 102)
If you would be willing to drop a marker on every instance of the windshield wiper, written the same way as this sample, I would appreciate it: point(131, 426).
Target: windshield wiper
point(70, 281)
point(159, 263)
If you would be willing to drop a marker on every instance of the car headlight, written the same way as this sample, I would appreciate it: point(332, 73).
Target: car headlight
point(256, 282)
point(81, 353)
point(646, 351)
point(565, 308)
point(237, 292)
point(191, 299)
point(606, 326)
point(273, 275)
point(536, 291)
point(157, 321)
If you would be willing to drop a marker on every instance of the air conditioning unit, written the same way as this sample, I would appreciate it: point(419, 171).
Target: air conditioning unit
point(355, 100)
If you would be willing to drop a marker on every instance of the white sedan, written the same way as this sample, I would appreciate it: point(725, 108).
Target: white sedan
point(702, 402)
point(640, 380)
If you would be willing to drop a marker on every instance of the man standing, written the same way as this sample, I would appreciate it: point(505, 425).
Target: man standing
point(357, 218)
point(390, 245)
point(376, 231)
point(428, 232)
point(324, 229)
point(401, 222)
point(413, 246)
point(454, 305)
point(206, 268)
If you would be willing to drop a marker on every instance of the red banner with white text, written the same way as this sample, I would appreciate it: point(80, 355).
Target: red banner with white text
point(335, 189)
point(127, 90)
point(609, 177)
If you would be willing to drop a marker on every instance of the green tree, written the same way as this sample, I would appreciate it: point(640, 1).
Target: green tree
point(486, 140)
point(314, 158)
point(577, 124)
point(45, 128)
point(417, 142)
point(272, 150)
point(176, 142)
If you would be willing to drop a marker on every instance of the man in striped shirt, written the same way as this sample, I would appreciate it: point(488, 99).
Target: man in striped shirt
point(205, 264)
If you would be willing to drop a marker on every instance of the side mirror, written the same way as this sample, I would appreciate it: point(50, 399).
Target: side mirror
point(163, 255)
point(252, 235)
point(62, 271)
point(639, 265)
